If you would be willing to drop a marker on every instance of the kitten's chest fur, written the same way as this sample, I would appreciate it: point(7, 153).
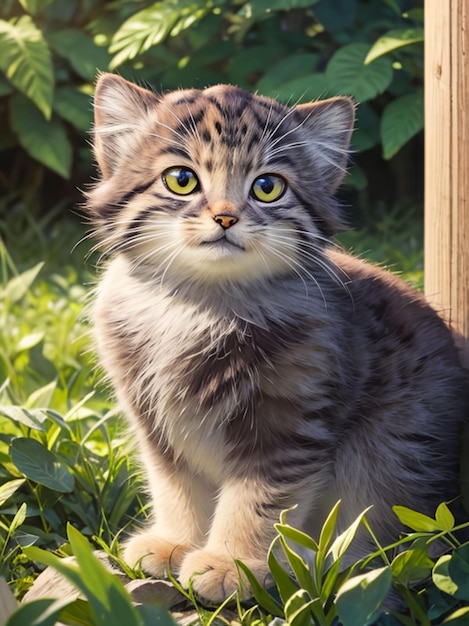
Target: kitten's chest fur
point(203, 368)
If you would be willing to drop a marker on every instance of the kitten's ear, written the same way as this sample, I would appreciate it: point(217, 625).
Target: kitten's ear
point(329, 125)
point(120, 112)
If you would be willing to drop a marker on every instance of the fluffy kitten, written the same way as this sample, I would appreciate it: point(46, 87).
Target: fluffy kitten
point(259, 367)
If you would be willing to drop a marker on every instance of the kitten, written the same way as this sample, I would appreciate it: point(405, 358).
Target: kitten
point(258, 366)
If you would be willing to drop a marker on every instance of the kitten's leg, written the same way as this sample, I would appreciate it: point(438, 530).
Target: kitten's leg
point(243, 528)
point(182, 509)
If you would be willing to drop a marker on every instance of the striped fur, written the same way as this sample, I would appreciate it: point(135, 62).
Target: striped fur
point(258, 367)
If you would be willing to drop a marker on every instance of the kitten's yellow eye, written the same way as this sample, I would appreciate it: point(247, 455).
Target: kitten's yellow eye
point(268, 188)
point(181, 180)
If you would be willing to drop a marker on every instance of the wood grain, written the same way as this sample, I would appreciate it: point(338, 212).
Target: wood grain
point(447, 163)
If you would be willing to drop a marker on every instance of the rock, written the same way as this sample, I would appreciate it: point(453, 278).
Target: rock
point(51, 584)
point(151, 591)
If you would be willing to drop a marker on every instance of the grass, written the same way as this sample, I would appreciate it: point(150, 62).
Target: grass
point(67, 481)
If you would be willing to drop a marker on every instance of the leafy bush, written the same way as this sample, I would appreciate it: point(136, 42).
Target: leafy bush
point(294, 50)
point(107, 601)
point(432, 590)
point(62, 447)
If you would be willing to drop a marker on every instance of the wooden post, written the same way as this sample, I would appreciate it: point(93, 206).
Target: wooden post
point(447, 163)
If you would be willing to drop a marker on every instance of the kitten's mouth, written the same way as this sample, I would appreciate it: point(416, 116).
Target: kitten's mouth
point(222, 243)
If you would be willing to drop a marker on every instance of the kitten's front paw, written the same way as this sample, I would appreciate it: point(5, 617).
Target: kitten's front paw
point(154, 554)
point(215, 576)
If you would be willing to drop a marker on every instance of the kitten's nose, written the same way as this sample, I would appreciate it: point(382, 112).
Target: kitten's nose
point(225, 220)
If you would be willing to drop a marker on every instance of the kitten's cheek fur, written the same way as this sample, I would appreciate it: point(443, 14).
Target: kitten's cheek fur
point(214, 576)
point(155, 555)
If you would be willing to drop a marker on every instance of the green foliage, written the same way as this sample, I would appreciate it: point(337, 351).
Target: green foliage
point(401, 120)
point(294, 50)
point(393, 40)
point(27, 62)
point(347, 74)
point(433, 590)
point(62, 448)
point(107, 601)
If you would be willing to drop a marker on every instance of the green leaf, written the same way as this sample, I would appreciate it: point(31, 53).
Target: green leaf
point(460, 616)
point(34, 6)
point(444, 517)
point(157, 615)
point(360, 598)
point(414, 520)
point(325, 539)
point(451, 573)
point(27, 62)
point(6, 88)
point(401, 120)
point(147, 28)
point(347, 73)
point(297, 536)
point(251, 61)
point(68, 571)
point(29, 341)
point(302, 89)
point(336, 15)
point(328, 529)
point(110, 602)
point(297, 609)
point(289, 68)
point(394, 5)
point(78, 613)
point(81, 52)
point(262, 596)
point(30, 418)
point(393, 40)
point(343, 541)
point(40, 612)
point(330, 580)
point(74, 106)
point(42, 397)
point(300, 568)
point(19, 285)
point(9, 488)
point(19, 518)
point(356, 178)
point(46, 141)
point(39, 464)
point(367, 131)
point(257, 8)
point(411, 566)
point(285, 584)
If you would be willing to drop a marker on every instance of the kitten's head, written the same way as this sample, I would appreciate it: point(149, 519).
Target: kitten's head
point(217, 184)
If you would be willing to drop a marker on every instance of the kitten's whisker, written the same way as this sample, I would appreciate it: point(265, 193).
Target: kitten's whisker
point(257, 248)
point(172, 130)
point(264, 130)
point(275, 129)
point(191, 131)
point(290, 146)
point(151, 255)
point(167, 139)
point(315, 254)
point(195, 131)
point(298, 268)
point(317, 236)
point(169, 261)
